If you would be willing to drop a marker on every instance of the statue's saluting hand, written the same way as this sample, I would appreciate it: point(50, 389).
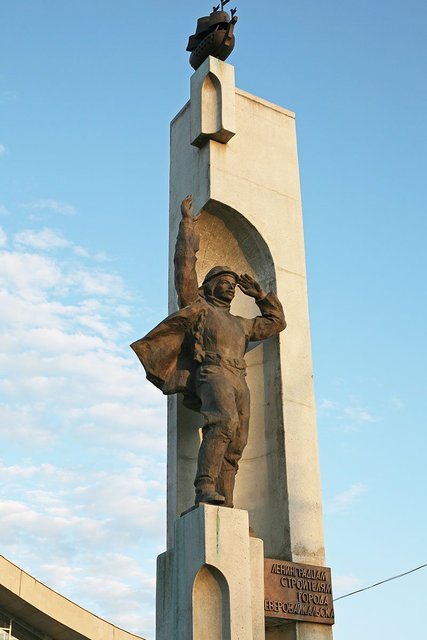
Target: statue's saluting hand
point(251, 287)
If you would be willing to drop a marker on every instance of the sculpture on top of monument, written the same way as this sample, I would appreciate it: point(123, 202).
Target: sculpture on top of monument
point(214, 36)
point(199, 351)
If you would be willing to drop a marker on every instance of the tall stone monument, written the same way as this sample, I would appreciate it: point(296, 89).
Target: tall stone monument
point(254, 571)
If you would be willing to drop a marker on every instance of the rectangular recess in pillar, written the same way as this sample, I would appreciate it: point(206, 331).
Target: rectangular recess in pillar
point(213, 103)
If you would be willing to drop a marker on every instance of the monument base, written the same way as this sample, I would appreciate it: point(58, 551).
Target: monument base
point(210, 585)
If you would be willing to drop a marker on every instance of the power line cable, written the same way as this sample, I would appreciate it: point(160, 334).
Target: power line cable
point(377, 584)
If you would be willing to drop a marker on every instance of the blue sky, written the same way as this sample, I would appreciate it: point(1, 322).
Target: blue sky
point(87, 91)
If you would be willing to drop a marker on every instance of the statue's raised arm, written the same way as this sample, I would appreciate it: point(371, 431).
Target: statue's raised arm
point(186, 248)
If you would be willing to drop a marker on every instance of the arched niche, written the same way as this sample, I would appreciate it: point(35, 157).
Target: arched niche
point(211, 605)
point(211, 105)
point(228, 238)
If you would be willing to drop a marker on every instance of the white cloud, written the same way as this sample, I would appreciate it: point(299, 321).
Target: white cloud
point(47, 240)
point(344, 500)
point(28, 271)
point(3, 210)
point(3, 150)
point(23, 425)
point(44, 239)
point(346, 418)
point(3, 238)
point(49, 205)
point(345, 584)
point(360, 416)
point(22, 272)
point(87, 488)
point(65, 364)
point(326, 404)
point(97, 282)
point(17, 470)
point(397, 403)
point(89, 525)
point(113, 583)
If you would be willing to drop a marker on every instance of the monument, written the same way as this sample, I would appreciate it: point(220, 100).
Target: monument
point(244, 560)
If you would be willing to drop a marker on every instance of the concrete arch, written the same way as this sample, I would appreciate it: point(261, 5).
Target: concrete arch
point(211, 101)
point(211, 602)
point(213, 115)
point(227, 237)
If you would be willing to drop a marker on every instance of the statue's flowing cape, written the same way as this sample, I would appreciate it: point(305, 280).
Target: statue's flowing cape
point(168, 355)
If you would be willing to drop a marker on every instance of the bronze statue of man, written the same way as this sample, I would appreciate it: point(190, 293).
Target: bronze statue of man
point(199, 351)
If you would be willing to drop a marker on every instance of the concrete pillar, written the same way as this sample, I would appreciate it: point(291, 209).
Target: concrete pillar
point(247, 188)
point(210, 584)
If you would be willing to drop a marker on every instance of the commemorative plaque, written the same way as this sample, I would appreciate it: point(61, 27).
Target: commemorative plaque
point(297, 592)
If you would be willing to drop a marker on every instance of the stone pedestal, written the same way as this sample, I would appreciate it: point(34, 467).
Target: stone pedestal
point(210, 583)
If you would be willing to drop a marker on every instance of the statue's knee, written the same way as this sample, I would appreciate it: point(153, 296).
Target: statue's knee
point(227, 427)
point(225, 423)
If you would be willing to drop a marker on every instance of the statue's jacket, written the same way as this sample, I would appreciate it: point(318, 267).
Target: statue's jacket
point(173, 350)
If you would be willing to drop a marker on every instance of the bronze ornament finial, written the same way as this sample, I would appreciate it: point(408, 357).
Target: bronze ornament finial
point(214, 36)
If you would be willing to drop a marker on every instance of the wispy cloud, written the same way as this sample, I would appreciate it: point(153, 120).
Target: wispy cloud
point(344, 500)
point(89, 481)
point(49, 205)
point(3, 150)
point(345, 584)
point(3, 237)
point(22, 425)
point(82, 521)
point(113, 583)
point(325, 405)
point(47, 240)
point(360, 415)
point(348, 418)
point(397, 403)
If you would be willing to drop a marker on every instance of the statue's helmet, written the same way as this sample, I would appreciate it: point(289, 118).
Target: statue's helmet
point(219, 271)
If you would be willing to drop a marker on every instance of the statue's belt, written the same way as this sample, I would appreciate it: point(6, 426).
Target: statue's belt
point(216, 358)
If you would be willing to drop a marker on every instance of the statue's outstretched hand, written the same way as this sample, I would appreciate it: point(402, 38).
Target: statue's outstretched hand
point(251, 287)
point(187, 207)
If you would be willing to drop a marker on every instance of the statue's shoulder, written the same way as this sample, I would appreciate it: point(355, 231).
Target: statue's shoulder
point(192, 309)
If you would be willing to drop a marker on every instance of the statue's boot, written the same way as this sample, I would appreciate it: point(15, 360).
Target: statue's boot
point(225, 485)
point(209, 497)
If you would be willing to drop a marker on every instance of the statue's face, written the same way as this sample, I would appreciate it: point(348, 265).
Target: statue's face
point(224, 288)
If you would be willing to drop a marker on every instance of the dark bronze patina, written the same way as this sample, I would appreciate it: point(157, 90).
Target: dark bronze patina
point(214, 36)
point(199, 351)
point(294, 591)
